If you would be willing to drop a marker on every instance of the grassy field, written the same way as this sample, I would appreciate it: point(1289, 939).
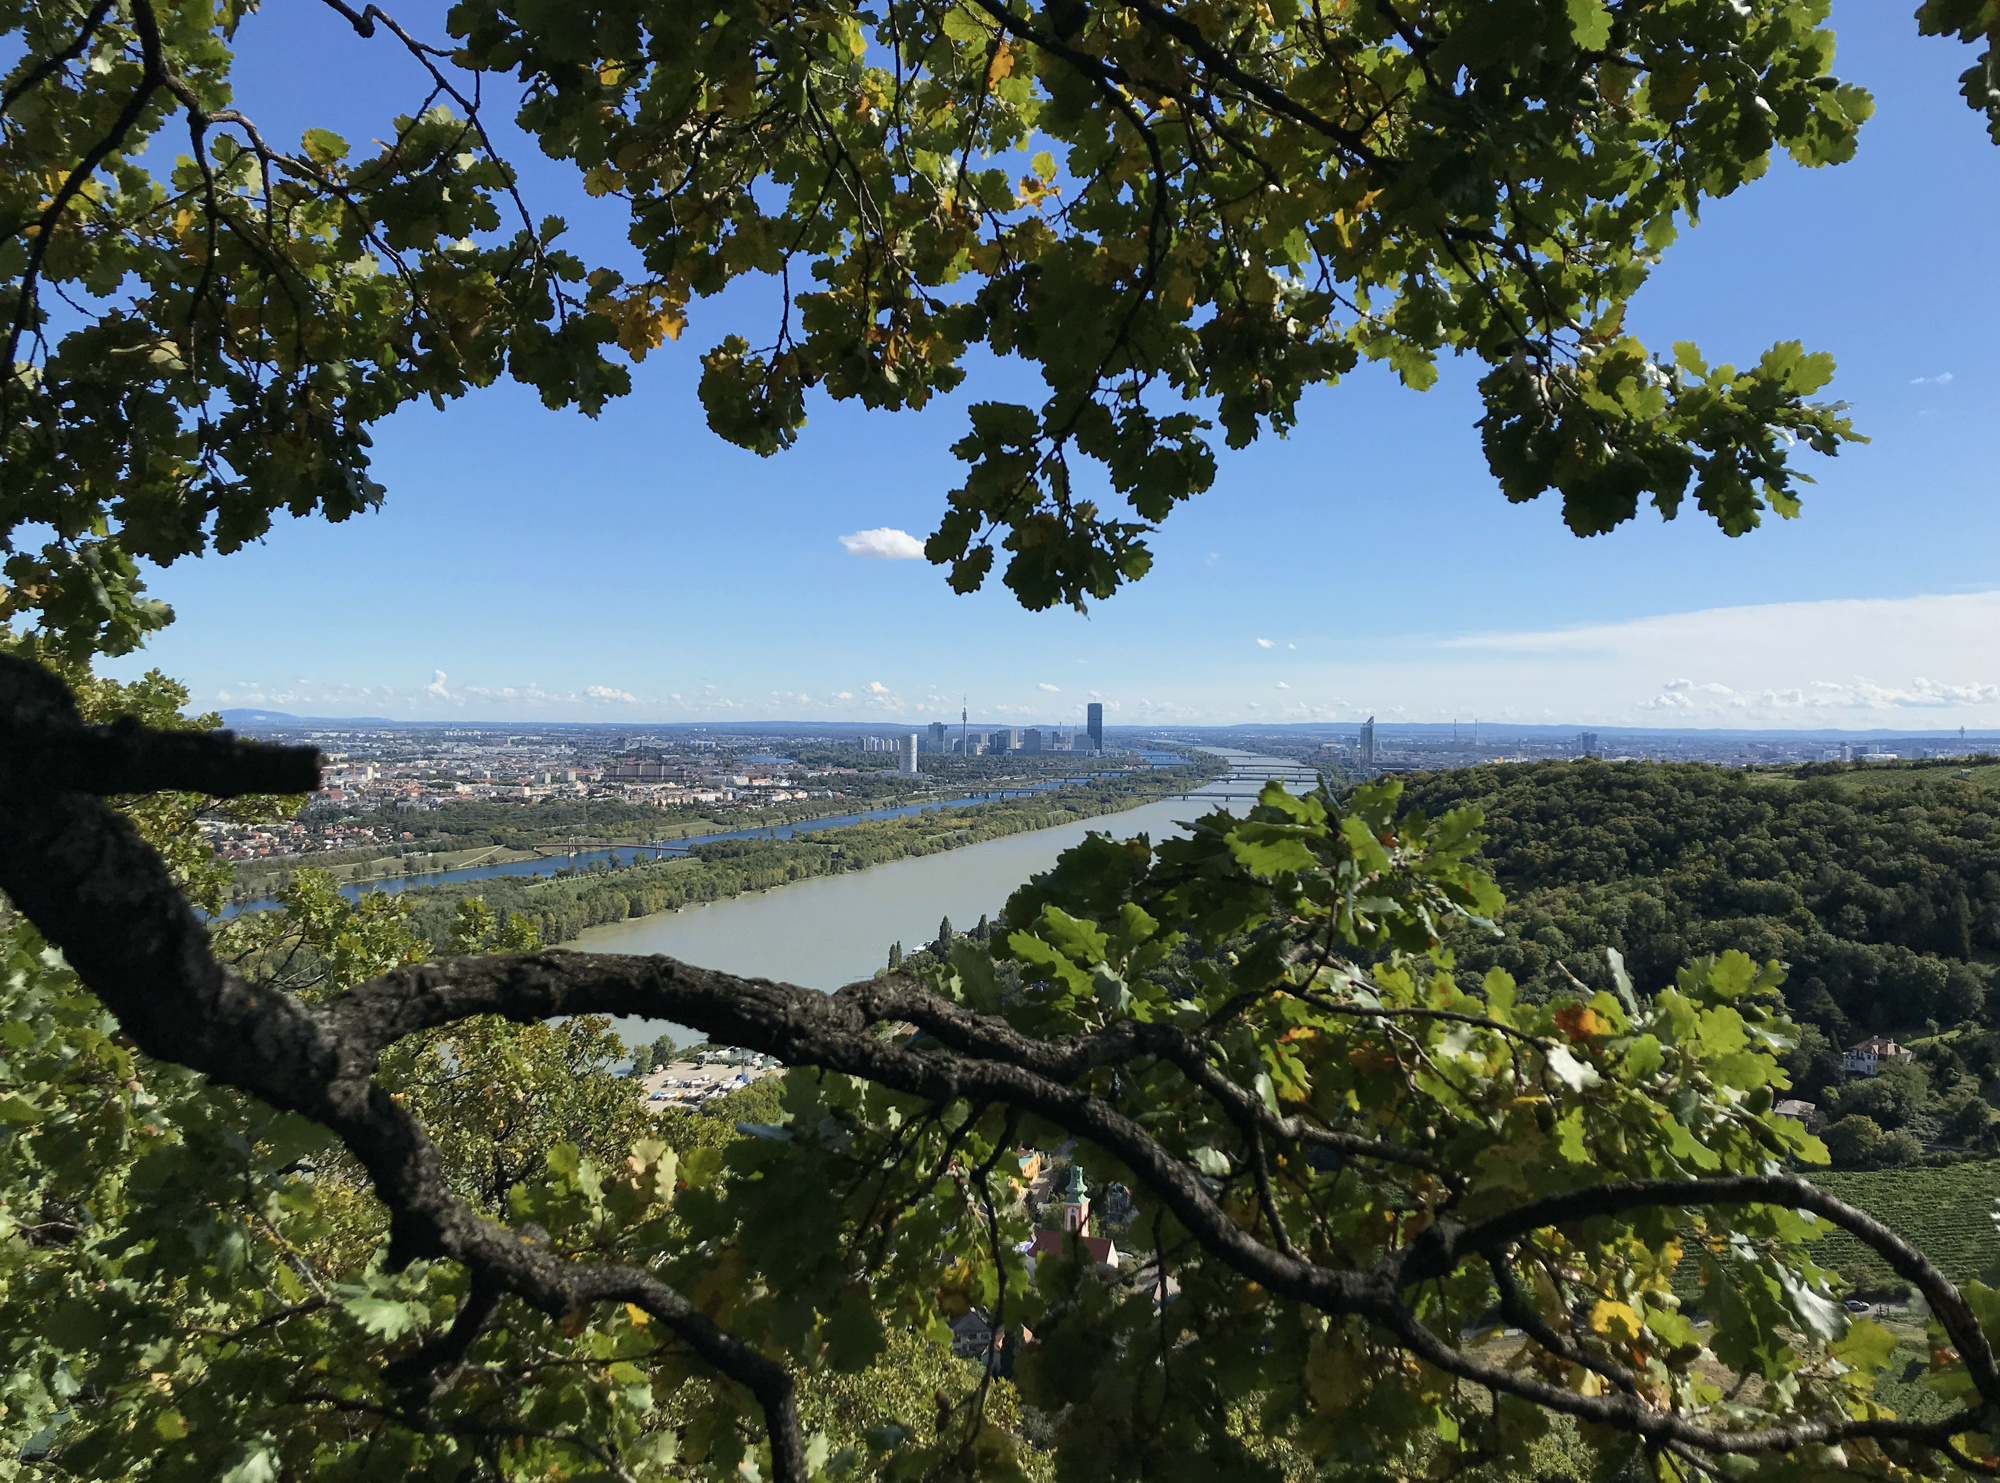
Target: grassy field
point(1871, 778)
point(1947, 1213)
point(260, 877)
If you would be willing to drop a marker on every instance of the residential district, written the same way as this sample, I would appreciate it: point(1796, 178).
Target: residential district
point(375, 773)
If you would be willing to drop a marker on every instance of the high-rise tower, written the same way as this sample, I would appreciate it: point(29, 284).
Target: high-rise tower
point(1094, 724)
point(1368, 742)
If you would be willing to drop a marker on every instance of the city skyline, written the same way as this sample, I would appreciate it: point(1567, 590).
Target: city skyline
point(779, 729)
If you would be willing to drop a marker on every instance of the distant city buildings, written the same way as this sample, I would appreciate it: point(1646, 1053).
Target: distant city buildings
point(908, 764)
point(379, 781)
point(1586, 744)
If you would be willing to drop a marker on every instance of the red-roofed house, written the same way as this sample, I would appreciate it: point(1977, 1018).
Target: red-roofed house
point(1053, 1243)
point(1863, 1058)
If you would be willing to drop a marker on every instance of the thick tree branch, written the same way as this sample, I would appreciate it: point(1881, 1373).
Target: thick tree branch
point(83, 876)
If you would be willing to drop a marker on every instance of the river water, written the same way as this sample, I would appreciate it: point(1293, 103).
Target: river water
point(832, 930)
point(626, 855)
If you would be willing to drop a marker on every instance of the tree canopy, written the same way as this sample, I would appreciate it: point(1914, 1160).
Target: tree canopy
point(202, 323)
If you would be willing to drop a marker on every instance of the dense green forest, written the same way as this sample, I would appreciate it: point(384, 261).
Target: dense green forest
point(566, 905)
point(1878, 887)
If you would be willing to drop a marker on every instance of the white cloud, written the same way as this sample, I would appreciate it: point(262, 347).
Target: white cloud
point(876, 687)
point(1943, 378)
point(436, 687)
point(1822, 696)
point(1052, 689)
point(1281, 685)
point(605, 692)
point(1267, 643)
point(1840, 662)
point(884, 544)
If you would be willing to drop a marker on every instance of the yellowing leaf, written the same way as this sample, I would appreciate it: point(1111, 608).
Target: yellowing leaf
point(1001, 65)
point(323, 146)
point(1579, 1021)
point(1616, 1321)
point(642, 324)
point(603, 179)
point(639, 1316)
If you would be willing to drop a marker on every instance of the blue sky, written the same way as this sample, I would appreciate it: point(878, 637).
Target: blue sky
point(530, 564)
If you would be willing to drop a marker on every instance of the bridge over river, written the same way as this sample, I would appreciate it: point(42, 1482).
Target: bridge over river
point(1246, 781)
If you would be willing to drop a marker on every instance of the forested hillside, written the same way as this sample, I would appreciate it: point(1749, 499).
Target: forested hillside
point(1878, 887)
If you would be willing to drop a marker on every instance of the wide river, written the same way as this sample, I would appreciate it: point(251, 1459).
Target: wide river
point(832, 930)
point(551, 864)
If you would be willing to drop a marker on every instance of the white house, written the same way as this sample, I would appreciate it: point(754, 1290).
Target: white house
point(1864, 1058)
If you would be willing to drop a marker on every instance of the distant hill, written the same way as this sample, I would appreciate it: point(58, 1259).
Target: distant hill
point(238, 719)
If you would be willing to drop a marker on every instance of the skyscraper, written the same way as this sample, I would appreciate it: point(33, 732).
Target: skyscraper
point(908, 764)
point(1587, 743)
point(1094, 724)
point(1368, 742)
point(937, 738)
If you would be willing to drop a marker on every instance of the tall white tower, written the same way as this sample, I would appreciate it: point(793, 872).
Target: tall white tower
point(908, 765)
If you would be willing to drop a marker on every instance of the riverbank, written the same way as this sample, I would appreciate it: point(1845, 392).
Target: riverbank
point(573, 902)
point(831, 931)
point(385, 867)
point(542, 861)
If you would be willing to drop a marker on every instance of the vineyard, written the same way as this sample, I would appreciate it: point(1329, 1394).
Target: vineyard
point(1947, 1212)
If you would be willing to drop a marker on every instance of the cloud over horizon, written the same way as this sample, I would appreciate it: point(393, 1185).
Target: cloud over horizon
point(1813, 663)
point(1922, 663)
point(884, 544)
